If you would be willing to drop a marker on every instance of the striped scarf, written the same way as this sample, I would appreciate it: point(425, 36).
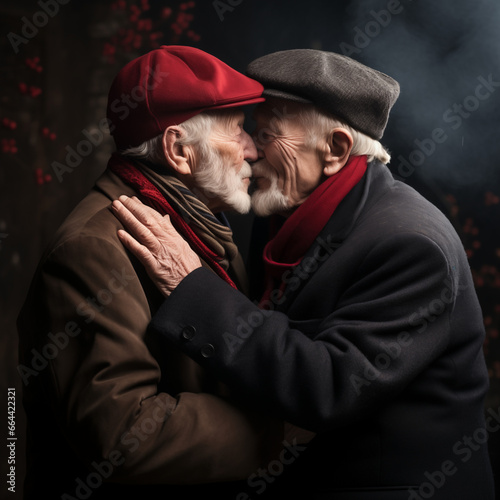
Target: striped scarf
point(210, 237)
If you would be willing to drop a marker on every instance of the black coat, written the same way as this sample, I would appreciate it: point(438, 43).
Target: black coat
point(376, 346)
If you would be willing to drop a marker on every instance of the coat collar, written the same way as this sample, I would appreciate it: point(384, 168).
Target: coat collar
point(112, 186)
point(372, 186)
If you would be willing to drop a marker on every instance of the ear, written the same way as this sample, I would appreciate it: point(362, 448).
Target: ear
point(338, 149)
point(180, 158)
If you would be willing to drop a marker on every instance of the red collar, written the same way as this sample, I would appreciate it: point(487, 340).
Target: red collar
point(299, 231)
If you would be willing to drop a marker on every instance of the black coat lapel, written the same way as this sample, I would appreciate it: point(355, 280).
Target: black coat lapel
point(336, 230)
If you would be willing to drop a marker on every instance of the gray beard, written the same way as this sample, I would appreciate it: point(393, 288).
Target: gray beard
point(271, 200)
point(216, 180)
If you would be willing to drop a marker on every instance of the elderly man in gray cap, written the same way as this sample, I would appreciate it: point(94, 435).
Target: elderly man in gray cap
point(368, 332)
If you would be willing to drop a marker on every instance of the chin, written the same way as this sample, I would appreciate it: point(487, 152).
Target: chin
point(240, 203)
point(270, 201)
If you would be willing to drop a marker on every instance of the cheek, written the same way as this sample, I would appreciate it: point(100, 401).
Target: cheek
point(233, 156)
point(274, 157)
point(237, 157)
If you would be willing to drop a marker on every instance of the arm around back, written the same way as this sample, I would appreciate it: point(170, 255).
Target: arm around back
point(347, 359)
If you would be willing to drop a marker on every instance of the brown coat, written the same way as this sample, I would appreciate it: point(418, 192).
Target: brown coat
point(105, 403)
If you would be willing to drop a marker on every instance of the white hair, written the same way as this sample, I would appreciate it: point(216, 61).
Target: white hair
point(213, 178)
point(319, 125)
point(197, 131)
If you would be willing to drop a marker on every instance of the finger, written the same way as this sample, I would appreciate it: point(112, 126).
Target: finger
point(130, 204)
point(140, 251)
point(142, 233)
point(124, 196)
point(144, 213)
point(159, 225)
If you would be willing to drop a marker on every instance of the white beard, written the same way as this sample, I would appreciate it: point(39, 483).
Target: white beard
point(215, 179)
point(271, 200)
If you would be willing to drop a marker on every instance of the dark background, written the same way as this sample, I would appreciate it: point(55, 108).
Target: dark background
point(54, 84)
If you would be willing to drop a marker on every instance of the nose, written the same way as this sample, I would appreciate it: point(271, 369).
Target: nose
point(255, 139)
point(249, 148)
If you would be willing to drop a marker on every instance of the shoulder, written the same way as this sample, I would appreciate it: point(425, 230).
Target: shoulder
point(396, 213)
point(395, 229)
point(82, 243)
point(400, 233)
point(86, 246)
point(91, 224)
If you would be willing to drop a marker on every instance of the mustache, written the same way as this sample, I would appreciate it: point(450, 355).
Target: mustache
point(245, 171)
point(261, 169)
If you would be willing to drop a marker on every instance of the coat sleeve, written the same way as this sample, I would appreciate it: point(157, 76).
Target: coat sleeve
point(102, 380)
point(387, 326)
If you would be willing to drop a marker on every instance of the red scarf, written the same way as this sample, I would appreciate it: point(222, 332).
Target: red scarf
point(152, 196)
point(299, 231)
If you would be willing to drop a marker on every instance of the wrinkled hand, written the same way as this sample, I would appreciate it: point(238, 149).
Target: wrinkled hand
point(167, 257)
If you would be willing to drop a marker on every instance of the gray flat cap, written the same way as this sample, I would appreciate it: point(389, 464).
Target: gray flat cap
point(339, 85)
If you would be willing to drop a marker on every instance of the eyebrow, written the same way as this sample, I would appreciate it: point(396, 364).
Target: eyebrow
point(277, 128)
point(274, 125)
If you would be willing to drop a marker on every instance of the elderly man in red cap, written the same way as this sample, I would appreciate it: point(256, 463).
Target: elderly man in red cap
point(371, 333)
point(111, 412)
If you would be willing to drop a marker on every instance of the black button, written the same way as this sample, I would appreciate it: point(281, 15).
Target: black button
point(207, 350)
point(188, 332)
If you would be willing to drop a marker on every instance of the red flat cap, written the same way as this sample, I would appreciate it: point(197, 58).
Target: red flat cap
point(169, 85)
